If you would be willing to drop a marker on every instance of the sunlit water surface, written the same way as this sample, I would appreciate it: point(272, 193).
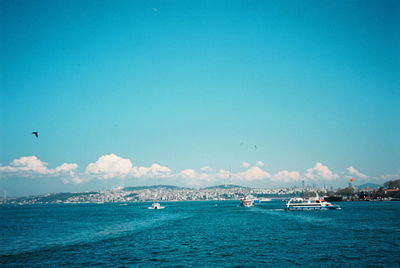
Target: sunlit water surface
point(200, 234)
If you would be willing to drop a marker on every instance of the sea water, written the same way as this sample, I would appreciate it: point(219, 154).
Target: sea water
point(199, 234)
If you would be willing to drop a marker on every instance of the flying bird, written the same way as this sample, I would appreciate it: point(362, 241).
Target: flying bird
point(36, 134)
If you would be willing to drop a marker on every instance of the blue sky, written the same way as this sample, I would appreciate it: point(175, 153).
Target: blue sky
point(194, 84)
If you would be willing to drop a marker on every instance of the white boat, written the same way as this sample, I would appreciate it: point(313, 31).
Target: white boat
point(265, 199)
point(247, 201)
point(156, 206)
point(311, 203)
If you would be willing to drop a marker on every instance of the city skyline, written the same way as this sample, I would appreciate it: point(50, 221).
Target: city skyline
point(255, 93)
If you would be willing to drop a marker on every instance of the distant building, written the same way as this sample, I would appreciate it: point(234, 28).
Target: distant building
point(392, 191)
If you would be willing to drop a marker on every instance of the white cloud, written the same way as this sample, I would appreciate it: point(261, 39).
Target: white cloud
point(69, 169)
point(188, 173)
point(31, 166)
point(66, 167)
point(253, 173)
point(154, 171)
point(109, 166)
point(73, 179)
point(29, 163)
point(223, 174)
point(246, 164)
point(260, 163)
point(206, 169)
point(76, 180)
point(287, 176)
point(193, 178)
point(192, 174)
point(355, 172)
point(26, 165)
point(319, 171)
point(112, 166)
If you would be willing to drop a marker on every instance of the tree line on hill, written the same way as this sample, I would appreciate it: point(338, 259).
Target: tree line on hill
point(389, 191)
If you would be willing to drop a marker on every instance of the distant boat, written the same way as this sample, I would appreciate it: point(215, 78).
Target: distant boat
point(247, 201)
point(155, 206)
point(265, 199)
point(311, 203)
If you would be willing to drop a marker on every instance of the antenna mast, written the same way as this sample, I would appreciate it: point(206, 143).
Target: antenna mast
point(230, 175)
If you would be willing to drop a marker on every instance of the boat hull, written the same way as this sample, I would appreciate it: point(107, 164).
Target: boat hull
point(314, 208)
point(247, 203)
point(155, 206)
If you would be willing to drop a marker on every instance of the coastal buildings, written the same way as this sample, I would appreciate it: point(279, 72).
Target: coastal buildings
point(158, 193)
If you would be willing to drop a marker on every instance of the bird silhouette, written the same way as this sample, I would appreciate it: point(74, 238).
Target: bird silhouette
point(36, 134)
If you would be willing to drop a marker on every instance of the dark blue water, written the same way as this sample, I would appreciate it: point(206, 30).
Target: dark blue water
point(363, 234)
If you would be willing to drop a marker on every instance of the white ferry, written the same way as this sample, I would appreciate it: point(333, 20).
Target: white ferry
point(247, 201)
point(311, 203)
point(155, 206)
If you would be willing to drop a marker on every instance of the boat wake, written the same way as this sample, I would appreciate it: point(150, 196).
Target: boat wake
point(304, 216)
point(96, 234)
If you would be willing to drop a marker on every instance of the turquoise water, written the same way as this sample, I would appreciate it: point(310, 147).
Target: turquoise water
point(200, 234)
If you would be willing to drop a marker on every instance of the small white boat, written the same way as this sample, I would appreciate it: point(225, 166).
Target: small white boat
point(311, 203)
point(155, 206)
point(247, 201)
